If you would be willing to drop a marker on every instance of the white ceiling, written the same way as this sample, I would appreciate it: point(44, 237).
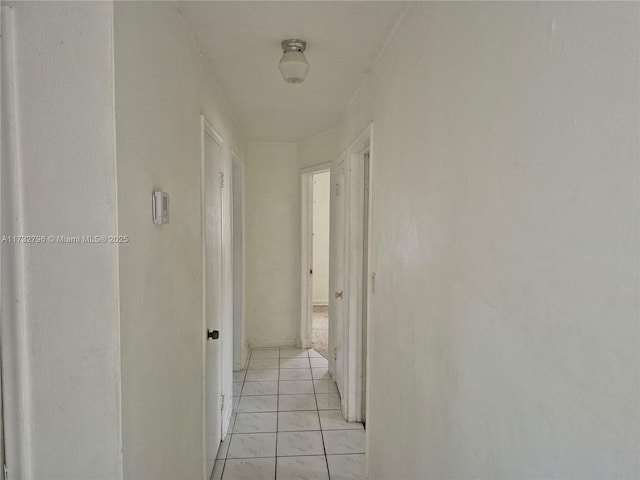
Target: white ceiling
point(241, 39)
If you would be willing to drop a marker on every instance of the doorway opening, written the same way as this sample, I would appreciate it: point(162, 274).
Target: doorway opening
point(320, 262)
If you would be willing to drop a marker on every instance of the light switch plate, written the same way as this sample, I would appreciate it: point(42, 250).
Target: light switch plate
point(160, 208)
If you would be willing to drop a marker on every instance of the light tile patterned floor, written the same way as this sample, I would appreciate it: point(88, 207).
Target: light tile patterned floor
point(287, 424)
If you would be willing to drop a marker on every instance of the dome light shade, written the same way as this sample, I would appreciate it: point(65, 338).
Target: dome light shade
point(293, 64)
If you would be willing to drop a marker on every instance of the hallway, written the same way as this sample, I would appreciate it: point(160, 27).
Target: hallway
point(157, 235)
point(286, 422)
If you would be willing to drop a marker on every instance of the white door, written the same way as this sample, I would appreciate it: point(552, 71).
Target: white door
point(337, 274)
point(213, 292)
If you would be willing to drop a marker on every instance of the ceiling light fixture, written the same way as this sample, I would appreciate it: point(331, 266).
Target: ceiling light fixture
point(293, 64)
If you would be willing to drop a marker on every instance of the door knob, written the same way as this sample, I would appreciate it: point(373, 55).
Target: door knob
point(338, 294)
point(213, 334)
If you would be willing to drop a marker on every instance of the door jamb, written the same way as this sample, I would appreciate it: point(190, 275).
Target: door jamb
point(238, 248)
point(206, 129)
point(13, 340)
point(306, 292)
point(355, 284)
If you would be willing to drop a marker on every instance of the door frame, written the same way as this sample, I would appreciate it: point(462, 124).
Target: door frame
point(14, 361)
point(306, 250)
point(355, 285)
point(240, 347)
point(226, 288)
point(207, 129)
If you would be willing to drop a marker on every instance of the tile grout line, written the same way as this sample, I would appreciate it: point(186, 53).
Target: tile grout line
point(277, 429)
point(298, 431)
point(300, 456)
point(315, 397)
point(237, 411)
point(275, 454)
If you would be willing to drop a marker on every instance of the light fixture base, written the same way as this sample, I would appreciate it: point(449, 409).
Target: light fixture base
point(294, 45)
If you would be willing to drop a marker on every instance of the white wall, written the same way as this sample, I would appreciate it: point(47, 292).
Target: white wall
point(319, 149)
point(273, 243)
point(272, 216)
point(321, 190)
point(161, 89)
point(505, 242)
point(66, 163)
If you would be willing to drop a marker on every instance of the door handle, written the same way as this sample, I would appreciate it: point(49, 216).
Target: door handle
point(338, 294)
point(213, 334)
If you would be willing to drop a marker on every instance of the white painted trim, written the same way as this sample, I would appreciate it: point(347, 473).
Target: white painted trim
point(320, 168)
point(246, 353)
point(305, 328)
point(207, 129)
point(226, 287)
point(203, 343)
point(117, 248)
point(237, 246)
point(355, 284)
point(14, 339)
point(362, 141)
point(264, 342)
point(370, 292)
point(306, 278)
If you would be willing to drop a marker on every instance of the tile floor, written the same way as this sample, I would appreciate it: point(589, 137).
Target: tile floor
point(287, 423)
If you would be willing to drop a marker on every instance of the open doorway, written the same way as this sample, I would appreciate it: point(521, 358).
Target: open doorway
point(320, 262)
point(314, 325)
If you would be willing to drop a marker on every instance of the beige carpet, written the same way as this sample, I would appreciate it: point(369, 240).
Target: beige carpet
point(320, 336)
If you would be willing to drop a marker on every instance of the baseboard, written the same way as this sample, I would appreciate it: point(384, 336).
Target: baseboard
point(262, 342)
point(320, 308)
point(246, 353)
point(226, 416)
